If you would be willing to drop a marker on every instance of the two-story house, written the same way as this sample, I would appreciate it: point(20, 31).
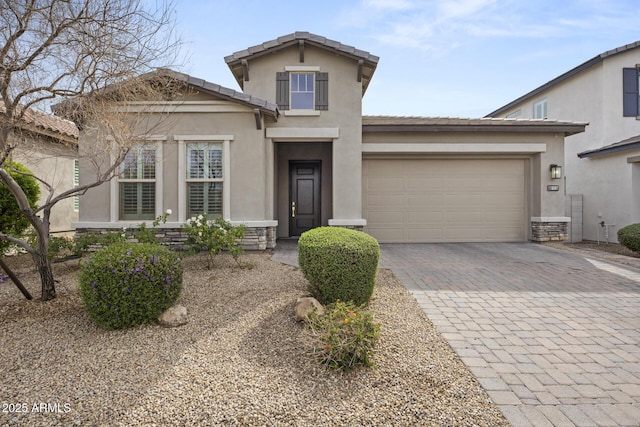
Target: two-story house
point(292, 151)
point(602, 164)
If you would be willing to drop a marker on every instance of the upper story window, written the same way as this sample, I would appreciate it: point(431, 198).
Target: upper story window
point(540, 109)
point(514, 115)
point(137, 182)
point(302, 89)
point(630, 92)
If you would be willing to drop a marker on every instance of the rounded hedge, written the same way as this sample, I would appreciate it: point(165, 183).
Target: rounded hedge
point(629, 237)
point(127, 284)
point(340, 264)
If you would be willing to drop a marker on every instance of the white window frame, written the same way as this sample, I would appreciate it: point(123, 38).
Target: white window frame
point(542, 106)
point(206, 147)
point(302, 69)
point(183, 140)
point(155, 141)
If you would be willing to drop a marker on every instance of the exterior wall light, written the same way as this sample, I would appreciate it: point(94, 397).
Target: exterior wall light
point(556, 171)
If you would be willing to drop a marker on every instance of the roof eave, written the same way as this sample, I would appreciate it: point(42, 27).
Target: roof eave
point(609, 150)
point(566, 129)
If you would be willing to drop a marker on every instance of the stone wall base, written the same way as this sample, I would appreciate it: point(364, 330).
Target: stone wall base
point(255, 238)
point(549, 231)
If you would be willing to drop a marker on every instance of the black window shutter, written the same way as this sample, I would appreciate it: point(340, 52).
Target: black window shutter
point(322, 91)
point(282, 90)
point(630, 92)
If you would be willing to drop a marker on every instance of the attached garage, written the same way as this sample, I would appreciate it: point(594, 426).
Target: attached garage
point(445, 200)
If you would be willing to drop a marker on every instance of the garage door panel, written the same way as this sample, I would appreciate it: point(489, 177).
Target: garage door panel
point(445, 200)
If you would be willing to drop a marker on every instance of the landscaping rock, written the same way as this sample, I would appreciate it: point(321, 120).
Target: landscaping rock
point(175, 316)
point(306, 305)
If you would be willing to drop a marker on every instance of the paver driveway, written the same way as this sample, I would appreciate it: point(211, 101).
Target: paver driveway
point(553, 337)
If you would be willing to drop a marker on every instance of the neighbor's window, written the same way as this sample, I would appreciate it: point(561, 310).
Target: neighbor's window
point(514, 115)
point(204, 179)
point(137, 183)
point(630, 92)
point(540, 109)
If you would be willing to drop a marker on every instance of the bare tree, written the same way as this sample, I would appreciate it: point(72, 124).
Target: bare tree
point(86, 56)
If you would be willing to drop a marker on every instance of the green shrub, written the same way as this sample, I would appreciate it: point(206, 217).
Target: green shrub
point(214, 236)
point(12, 220)
point(340, 264)
point(128, 284)
point(629, 237)
point(347, 336)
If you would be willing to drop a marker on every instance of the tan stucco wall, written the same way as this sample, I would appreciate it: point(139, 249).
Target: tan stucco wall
point(247, 163)
point(595, 96)
point(344, 113)
point(54, 163)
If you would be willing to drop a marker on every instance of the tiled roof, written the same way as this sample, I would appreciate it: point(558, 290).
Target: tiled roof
point(436, 124)
point(370, 61)
point(593, 61)
point(627, 144)
point(49, 122)
point(221, 91)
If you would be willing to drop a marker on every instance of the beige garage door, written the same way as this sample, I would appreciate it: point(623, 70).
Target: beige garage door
point(444, 200)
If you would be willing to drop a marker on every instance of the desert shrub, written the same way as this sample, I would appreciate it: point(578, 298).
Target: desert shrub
point(127, 284)
point(12, 220)
point(347, 335)
point(629, 237)
point(214, 236)
point(340, 264)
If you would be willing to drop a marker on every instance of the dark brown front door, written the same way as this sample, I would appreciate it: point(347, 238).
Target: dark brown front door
point(304, 203)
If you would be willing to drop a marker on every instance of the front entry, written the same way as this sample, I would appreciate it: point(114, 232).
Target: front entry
point(304, 196)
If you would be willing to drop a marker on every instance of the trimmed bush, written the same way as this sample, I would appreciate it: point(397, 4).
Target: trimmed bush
point(629, 237)
point(347, 336)
point(340, 264)
point(127, 284)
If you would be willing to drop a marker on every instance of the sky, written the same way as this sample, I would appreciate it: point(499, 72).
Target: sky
point(439, 58)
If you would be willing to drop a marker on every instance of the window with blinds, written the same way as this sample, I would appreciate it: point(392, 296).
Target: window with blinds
point(204, 179)
point(76, 183)
point(137, 183)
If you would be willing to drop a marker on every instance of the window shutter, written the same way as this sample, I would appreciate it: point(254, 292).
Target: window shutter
point(282, 90)
point(630, 92)
point(322, 91)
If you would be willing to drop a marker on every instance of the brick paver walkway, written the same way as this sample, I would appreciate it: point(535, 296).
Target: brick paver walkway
point(552, 336)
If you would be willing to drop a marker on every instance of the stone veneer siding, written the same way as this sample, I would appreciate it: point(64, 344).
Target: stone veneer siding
point(255, 238)
point(549, 231)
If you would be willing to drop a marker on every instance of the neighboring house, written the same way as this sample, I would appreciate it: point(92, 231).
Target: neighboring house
point(602, 164)
point(49, 148)
point(293, 151)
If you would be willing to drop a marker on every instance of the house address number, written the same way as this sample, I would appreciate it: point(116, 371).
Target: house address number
point(553, 187)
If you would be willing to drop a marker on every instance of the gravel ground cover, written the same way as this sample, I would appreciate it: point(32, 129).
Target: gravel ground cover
point(241, 360)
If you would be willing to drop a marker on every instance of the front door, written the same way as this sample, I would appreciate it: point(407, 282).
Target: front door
point(304, 203)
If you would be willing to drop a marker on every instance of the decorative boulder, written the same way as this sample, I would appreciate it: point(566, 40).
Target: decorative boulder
point(306, 305)
point(175, 316)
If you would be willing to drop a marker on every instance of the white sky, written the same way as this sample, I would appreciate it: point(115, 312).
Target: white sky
point(460, 58)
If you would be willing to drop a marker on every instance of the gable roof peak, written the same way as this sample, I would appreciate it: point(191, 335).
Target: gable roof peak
point(237, 60)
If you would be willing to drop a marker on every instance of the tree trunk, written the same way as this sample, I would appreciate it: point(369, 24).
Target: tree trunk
point(44, 268)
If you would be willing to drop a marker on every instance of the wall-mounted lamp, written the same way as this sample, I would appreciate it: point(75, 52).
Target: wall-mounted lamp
point(556, 171)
